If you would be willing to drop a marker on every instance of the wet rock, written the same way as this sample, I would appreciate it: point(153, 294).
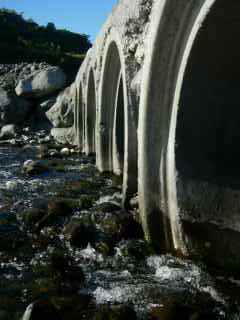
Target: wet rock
point(41, 83)
point(65, 151)
point(79, 234)
point(59, 207)
point(41, 309)
point(61, 114)
point(53, 153)
point(56, 209)
point(8, 131)
point(115, 312)
point(104, 248)
point(33, 167)
point(119, 225)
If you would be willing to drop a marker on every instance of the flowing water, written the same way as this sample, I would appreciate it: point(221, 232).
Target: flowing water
point(138, 278)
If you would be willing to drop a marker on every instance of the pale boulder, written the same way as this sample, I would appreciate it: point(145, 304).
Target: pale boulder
point(42, 83)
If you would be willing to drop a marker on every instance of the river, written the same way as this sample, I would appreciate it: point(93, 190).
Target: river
point(60, 242)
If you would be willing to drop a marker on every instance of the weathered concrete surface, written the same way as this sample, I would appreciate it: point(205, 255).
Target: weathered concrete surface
point(151, 101)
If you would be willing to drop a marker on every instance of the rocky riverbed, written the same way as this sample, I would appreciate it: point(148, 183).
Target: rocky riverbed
point(69, 251)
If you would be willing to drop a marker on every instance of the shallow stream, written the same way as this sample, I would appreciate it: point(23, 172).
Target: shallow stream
point(40, 261)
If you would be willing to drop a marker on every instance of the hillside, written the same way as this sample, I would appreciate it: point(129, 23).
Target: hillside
point(24, 40)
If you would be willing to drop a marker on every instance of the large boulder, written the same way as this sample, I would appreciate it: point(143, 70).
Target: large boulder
point(8, 131)
point(64, 135)
point(42, 83)
point(13, 110)
point(61, 115)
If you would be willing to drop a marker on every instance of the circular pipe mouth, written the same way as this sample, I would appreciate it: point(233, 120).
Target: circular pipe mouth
point(108, 108)
point(166, 132)
point(204, 152)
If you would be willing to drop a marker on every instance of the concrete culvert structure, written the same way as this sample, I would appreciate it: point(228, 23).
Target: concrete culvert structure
point(162, 79)
point(90, 115)
point(189, 160)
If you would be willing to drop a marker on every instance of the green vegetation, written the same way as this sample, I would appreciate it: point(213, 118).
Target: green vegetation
point(25, 41)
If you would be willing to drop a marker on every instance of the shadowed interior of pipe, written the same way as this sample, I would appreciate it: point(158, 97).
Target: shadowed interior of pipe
point(90, 115)
point(208, 125)
point(119, 131)
point(111, 112)
point(80, 117)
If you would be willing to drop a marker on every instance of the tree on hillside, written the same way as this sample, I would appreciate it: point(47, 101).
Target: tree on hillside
point(51, 26)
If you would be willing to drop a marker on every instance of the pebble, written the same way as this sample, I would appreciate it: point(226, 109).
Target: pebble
point(65, 151)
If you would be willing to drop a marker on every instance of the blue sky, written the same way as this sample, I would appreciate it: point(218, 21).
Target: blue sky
point(83, 16)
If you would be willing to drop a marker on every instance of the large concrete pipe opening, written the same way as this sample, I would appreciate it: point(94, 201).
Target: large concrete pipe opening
point(90, 115)
point(189, 178)
point(110, 110)
point(119, 131)
point(208, 133)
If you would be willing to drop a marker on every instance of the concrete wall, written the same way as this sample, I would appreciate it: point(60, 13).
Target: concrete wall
point(157, 101)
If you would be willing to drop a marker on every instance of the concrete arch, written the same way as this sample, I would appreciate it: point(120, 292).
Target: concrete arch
point(117, 140)
point(90, 114)
point(175, 29)
point(79, 117)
